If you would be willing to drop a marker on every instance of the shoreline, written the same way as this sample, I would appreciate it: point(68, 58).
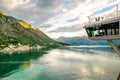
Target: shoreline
point(19, 48)
point(12, 48)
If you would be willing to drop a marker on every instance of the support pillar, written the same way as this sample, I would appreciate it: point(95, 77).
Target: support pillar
point(114, 47)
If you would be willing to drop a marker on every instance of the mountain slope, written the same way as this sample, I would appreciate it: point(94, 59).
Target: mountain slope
point(2, 13)
point(24, 24)
point(81, 41)
point(14, 31)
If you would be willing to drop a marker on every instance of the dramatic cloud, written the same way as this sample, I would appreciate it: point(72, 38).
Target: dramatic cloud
point(30, 10)
point(78, 15)
point(66, 29)
point(9, 4)
point(58, 17)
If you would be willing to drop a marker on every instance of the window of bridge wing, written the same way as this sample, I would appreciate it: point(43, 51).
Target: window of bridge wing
point(115, 28)
point(99, 30)
point(89, 30)
point(111, 28)
point(96, 30)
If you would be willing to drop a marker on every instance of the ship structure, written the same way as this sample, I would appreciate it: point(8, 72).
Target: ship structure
point(105, 28)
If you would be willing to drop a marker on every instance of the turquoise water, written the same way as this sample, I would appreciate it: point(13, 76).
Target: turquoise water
point(68, 63)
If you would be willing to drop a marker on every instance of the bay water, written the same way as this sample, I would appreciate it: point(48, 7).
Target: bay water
point(66, 63)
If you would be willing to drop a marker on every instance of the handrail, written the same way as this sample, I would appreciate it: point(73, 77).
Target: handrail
point(104, 17)
point(105, 21)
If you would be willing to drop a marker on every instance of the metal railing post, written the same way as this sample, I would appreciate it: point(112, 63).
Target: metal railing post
point(117, 9)
point(89, 19)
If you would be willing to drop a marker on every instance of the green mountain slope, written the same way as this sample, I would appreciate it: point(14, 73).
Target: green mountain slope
point(14, 31)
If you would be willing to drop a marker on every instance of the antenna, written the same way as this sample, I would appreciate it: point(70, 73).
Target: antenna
point(89, 19)
point(117, 9)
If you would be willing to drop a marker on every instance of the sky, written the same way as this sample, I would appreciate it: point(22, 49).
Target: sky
point(58, 18)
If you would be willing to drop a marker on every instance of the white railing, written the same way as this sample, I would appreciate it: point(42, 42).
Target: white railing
point(104, 17)
point(114, 13)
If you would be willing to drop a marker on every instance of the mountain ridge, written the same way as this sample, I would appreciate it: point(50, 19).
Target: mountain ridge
point(14, 31)
point(81, 41)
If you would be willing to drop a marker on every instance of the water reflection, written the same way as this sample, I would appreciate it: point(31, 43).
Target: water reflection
point(66, 64)
point(92, 66)
point(17, 60)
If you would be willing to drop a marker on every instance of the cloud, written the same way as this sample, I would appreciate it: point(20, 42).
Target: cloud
point(67, 29)
point(56, 17)
point(62, 25)
point(47, 4)
point(30, 10)
point(76, 16)
point(8, 4)
point(67, 34)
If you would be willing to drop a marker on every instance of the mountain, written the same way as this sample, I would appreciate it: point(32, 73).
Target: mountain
point(14, 31)
point(81, 41)
point(2, 13)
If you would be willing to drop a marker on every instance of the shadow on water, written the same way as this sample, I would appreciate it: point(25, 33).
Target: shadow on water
point(11, 62)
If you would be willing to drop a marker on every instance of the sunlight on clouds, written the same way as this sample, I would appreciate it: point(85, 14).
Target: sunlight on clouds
point(67, 34)
point(64, 10)
point(12, 4)
point(23, 2)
